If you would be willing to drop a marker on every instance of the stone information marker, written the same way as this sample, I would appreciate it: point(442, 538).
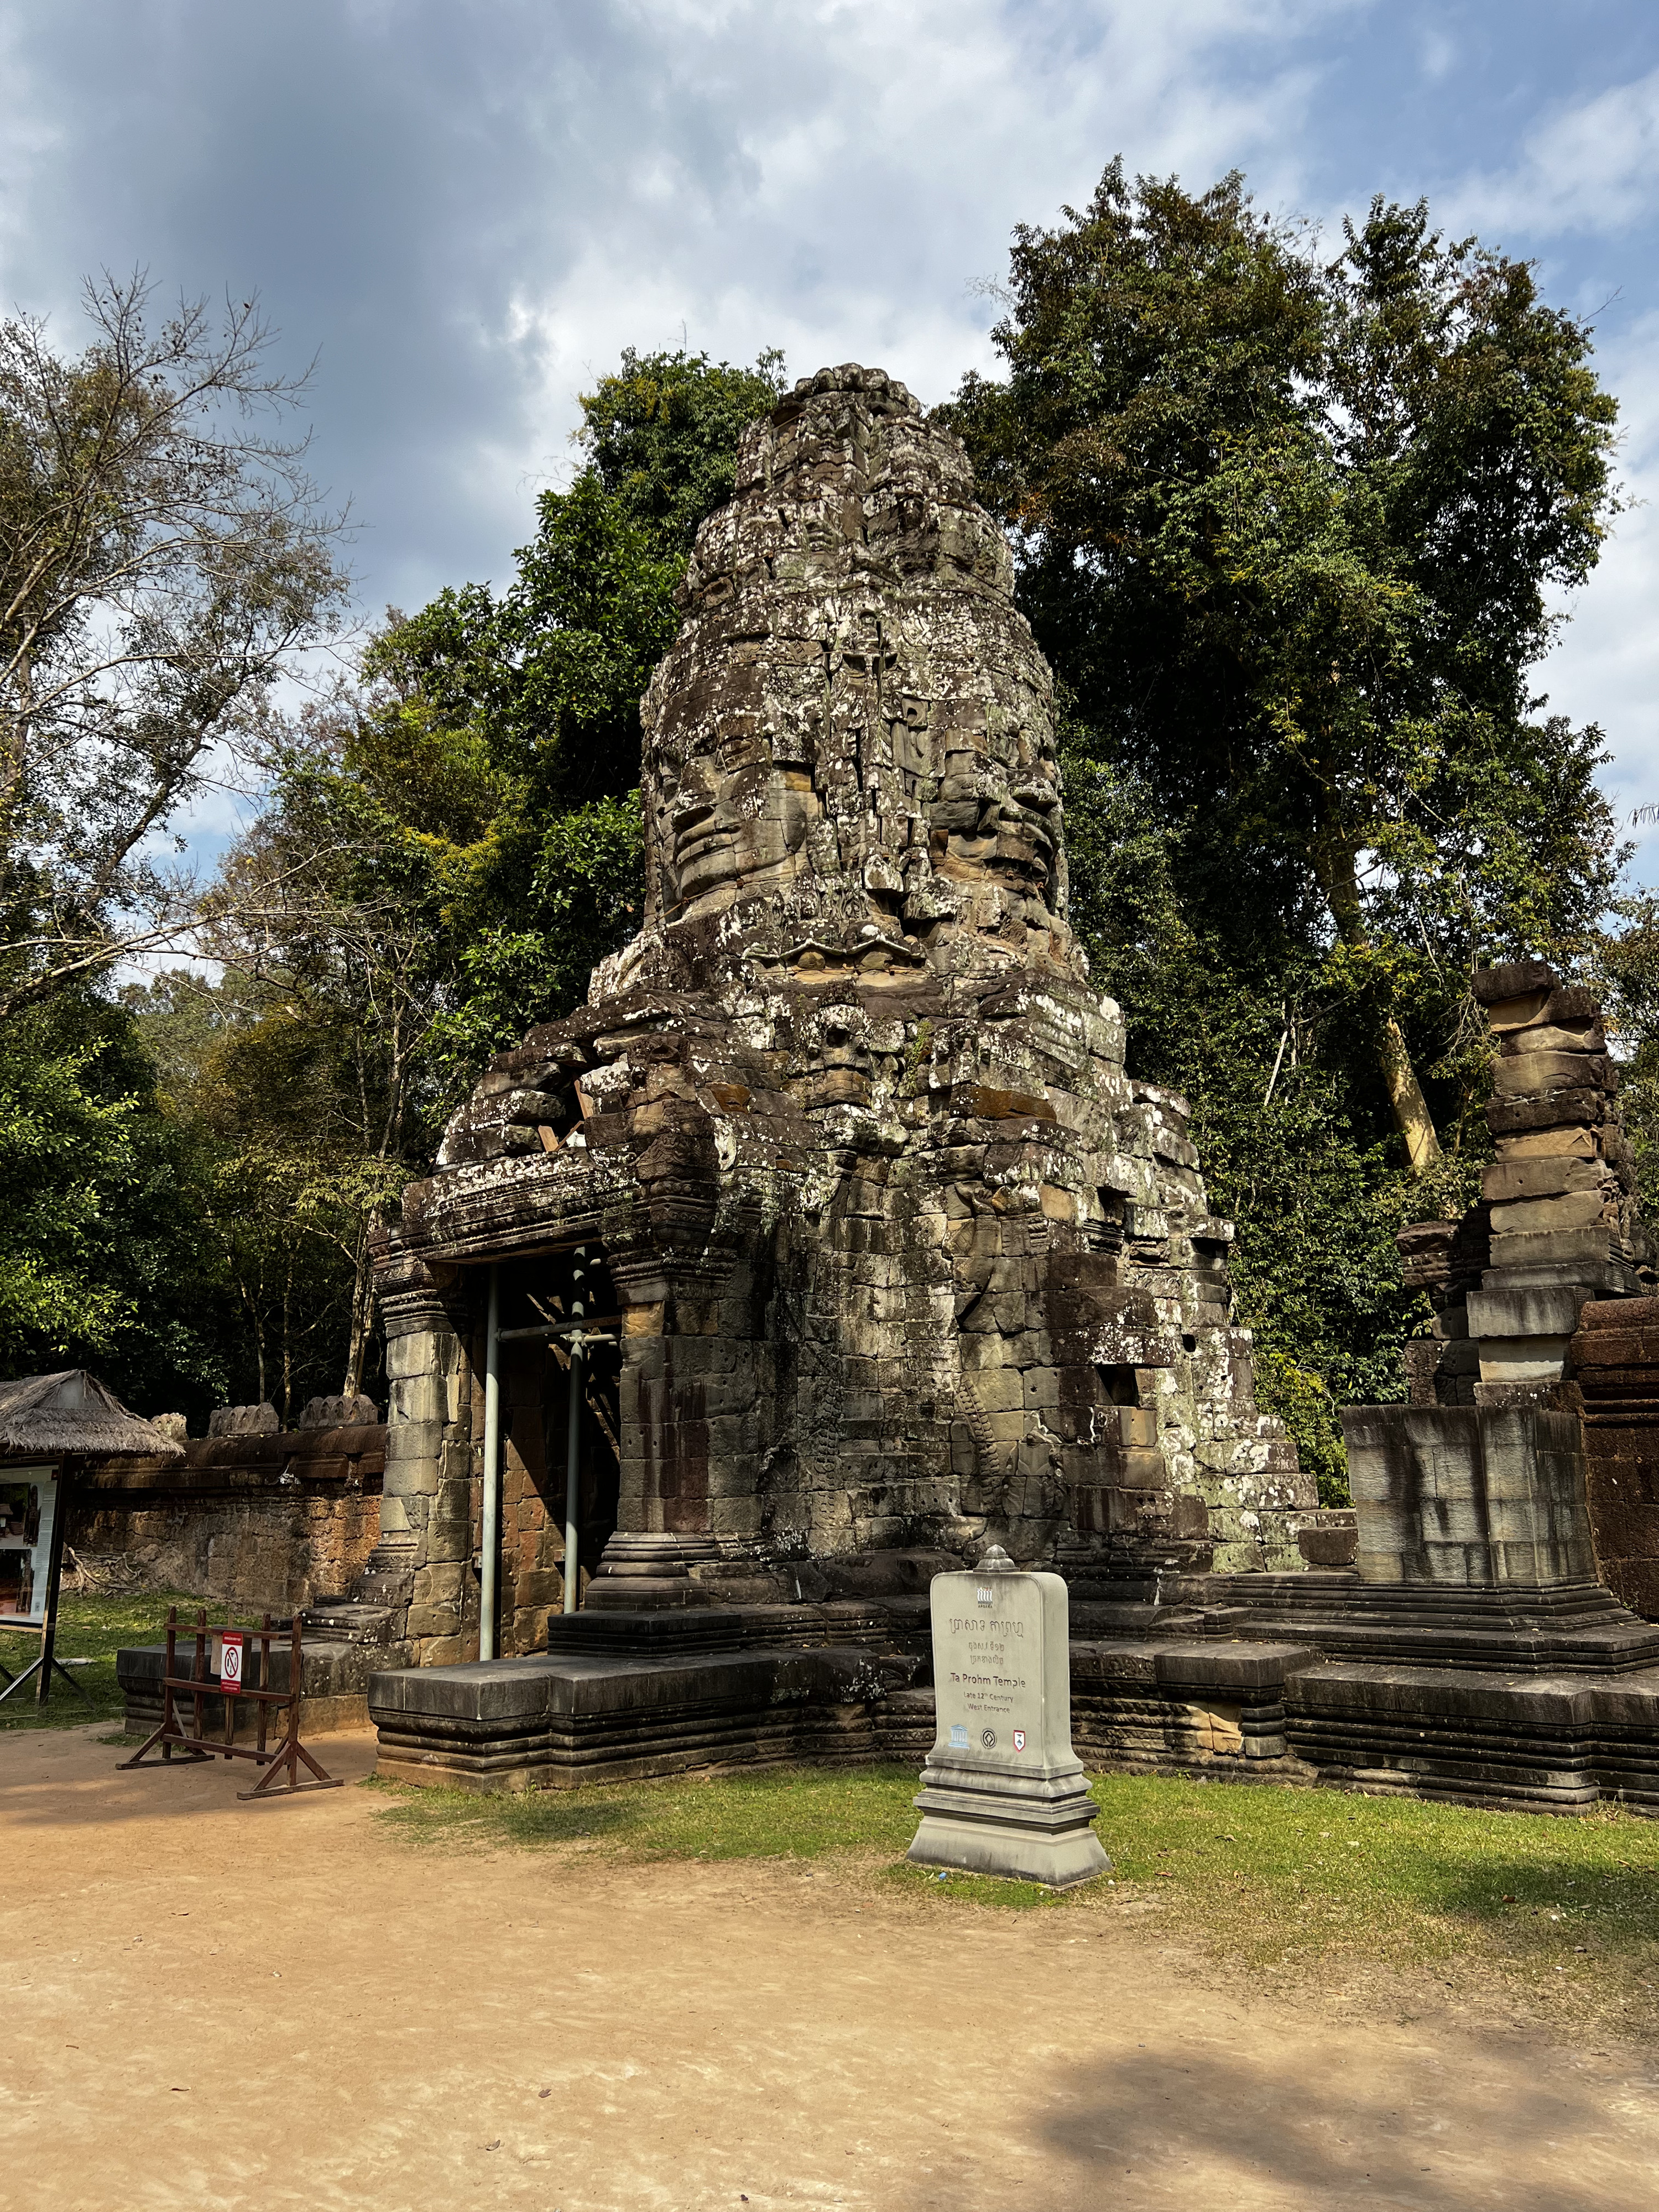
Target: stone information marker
point(1002, 1791)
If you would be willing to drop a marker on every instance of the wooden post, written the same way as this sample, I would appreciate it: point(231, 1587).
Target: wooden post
point(54, 1576)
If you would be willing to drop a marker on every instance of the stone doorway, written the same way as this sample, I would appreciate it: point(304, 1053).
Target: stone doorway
point(537, 1293)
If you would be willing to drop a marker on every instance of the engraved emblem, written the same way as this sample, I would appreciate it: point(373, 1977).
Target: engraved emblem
point(988, 1738)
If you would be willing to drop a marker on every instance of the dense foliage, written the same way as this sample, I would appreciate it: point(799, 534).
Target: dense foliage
point(447, 848)
point(108, 1253)
point(524, 705)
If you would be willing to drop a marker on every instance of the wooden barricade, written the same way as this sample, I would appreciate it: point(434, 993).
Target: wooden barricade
point(198, 1684)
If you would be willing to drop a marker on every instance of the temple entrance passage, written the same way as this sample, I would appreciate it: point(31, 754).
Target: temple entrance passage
point(542, 1301)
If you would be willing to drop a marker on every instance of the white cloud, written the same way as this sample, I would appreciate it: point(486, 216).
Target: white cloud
point(473, 205)
point(1593, 166)
point(872, 161)
point(470, 206)
point(1605, 668)
point(1437, 55)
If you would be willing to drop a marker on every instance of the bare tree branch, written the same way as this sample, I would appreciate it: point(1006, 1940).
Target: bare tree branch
point(164, 559)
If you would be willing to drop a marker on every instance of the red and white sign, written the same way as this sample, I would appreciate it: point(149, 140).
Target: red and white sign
point(1019, 1739)
point(230, 1660)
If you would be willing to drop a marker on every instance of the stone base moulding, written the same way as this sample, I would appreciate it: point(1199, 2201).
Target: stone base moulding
point(1542, 1720)
point(1013, 1828)
point(560, 1720)
point(1560, 1743)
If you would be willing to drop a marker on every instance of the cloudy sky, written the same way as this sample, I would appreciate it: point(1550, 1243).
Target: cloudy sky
point(466, 208)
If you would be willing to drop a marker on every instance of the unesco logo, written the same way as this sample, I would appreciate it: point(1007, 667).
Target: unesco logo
point(988, 1738)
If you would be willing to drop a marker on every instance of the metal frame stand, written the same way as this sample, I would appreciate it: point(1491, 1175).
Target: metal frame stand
point(172, 1735)
point(48, 1662)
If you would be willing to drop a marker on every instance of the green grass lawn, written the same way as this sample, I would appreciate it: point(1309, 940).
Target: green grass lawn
point(1274, 1881)
point(91, 1629)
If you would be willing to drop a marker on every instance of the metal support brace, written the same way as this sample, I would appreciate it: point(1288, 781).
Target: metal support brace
point(490, 1564)
point(573, 1448)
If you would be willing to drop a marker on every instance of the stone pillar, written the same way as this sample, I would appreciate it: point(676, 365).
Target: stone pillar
point(1558, 1223)
point(690, 1426)
point(421, 1567)
point(1470, 1497)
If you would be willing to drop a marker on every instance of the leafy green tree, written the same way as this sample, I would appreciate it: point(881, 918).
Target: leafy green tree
point(1288, 530)
point(541, 687)
point(273, 1100)
point(447, 850)
point(661, 436)
point(336, 929)
point(1626, 970)
point(1287, 526)
point(107, 1255)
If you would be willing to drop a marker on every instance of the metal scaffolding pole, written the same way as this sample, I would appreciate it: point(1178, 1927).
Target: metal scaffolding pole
point(490, 1564)
point(573, 1449)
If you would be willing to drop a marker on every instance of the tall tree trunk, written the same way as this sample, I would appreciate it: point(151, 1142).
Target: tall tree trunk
point(287, 1344)
point(1412, 1117)
point(1334, 862)
point(362, 1311)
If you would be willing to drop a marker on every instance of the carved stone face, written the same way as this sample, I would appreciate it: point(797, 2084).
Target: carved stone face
point(909, 798)
point(722, 814)
point(999, 811)
point(852, 737)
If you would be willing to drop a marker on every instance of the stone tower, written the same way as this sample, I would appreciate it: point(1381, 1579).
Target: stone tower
point(900, 1259)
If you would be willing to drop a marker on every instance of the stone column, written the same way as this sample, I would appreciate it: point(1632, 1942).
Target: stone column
point(421, 1566)
point(681, 1458)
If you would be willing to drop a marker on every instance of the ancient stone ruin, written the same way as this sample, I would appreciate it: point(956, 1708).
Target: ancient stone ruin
point(834, 1232)
point(1558, 1223)
point(896, 1257)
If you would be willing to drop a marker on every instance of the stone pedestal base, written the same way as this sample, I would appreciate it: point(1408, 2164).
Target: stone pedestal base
point(563, 1719)
point(643, 1570)
point(1020, 1828)
point(1470, 1497)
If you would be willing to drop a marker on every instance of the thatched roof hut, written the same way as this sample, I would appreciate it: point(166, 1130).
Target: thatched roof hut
point(51, 1416)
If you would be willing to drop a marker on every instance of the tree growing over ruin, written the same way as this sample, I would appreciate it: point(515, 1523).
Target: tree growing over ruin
point(534, 687)
point(1289, 526)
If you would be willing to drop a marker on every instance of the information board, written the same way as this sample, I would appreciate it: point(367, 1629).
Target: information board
point(28, 1501)
point(988, 1665)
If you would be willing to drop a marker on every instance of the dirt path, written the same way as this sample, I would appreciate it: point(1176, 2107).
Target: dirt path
point(218, 2006)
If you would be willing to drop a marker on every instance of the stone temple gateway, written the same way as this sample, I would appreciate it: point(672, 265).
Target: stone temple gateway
point(899, 1258)
point(877, 1257)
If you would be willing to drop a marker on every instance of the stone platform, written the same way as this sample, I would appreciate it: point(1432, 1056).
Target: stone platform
point(1545, 1700)
point(617, 1714)
point(344, 1644)
point(1574, 1627)
point(1548, 1743)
